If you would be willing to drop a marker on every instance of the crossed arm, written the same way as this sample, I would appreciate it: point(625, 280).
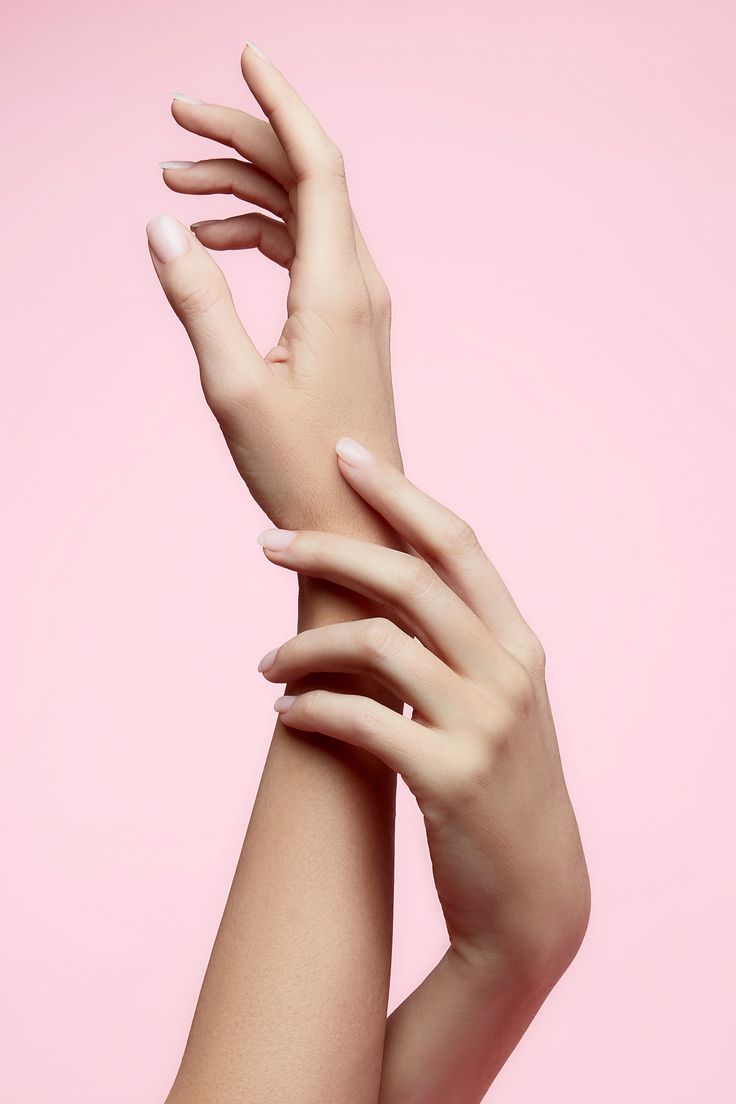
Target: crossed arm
point(397, 603)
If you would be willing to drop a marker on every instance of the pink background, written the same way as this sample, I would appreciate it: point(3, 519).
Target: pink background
point(548, 189)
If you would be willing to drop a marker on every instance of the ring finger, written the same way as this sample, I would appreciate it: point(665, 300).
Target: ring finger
point(376, 645)
point(227, 176)
point(432, 610)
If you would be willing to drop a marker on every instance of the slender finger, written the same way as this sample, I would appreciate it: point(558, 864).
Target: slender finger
point(255, 140)
point(443, 539)
point(198, 292)
point(230, 176)
point(429, 607)
point(227, 176)
point(377, 646)
point(403, 745)
point(252, 138)
point(250, 231)
point(377, 288)
point(325, 238)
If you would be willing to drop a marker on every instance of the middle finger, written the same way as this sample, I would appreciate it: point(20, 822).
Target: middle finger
point(437, 616)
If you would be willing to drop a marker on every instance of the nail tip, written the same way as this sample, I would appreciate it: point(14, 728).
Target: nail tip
point(257, 50)
point(181, 97)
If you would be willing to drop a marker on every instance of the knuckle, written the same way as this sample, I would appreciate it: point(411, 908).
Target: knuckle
point(467, 775)
point(379, 638)
point(458, 538)
point(229, 397)
point(534, 656)
point(313, 705)
point(332, 160)
point(198, 300)
point(417, 579)
point(519, 690)
point(353, 306)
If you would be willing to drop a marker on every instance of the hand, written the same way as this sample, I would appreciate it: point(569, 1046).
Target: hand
point(330, 367)
point(480, 752)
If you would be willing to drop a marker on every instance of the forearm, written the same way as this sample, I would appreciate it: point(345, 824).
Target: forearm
point(293, 1004)
point(447, 1041)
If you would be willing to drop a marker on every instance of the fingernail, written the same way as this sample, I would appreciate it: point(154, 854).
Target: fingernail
point(167, 238)
point(353, 453)
point(185, 99)
point(203, 222)
point(276, 539)
point(282, 704)
point(268, 660)
point(177, 164)
point(258, 50)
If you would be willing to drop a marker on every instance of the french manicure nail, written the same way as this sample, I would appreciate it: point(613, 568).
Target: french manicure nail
point(167, 238)
point(186, 99)
point(258, 50)
point(282, 704)
point(177, 164)
point(274, 540)
point(268, 660)
point(353, 453)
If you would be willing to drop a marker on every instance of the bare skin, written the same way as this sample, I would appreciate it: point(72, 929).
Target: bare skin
point(480, 755)
point(293, 1004)
point(300, 967)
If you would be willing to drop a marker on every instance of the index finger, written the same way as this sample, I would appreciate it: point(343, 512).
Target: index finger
point(444, 540)
point(325, 238)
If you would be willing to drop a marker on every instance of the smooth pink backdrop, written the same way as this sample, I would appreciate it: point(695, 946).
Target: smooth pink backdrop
point(549, 190)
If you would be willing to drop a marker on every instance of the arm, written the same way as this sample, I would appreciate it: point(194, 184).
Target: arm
point(293, 1004)
point(480, 755)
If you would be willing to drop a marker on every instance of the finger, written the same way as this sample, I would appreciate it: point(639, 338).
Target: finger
point(377, 646)
point(227, 176)
point(377, 289)
point(325, 238)
point(250, 231)
point(255, 140)
point(198, 292)
point(431, 609)
point(442, 538)
point(252, 138)
point(403, 745)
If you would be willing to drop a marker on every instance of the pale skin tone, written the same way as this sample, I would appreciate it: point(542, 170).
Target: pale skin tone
point(293, 1004)
point(480, 755)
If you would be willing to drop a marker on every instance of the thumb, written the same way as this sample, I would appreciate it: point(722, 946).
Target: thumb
point(194, 284)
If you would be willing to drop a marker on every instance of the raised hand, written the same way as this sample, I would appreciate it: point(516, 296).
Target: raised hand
point(479, 752)
point(330, 366)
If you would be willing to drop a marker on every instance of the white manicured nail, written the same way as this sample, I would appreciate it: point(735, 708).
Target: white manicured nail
point(258, 51)
point(186, 99)
point(177, 164)
point(268, 660)
point(281, 705)
point(274, 540)
point(167, 238)
point(353, 453)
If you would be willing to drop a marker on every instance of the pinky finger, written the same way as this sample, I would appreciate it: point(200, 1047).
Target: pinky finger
point(251, 231)
point(403, 745)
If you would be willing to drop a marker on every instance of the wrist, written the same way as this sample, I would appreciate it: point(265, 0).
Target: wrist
point(321, 603)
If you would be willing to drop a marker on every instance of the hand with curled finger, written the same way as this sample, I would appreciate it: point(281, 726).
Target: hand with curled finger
point(480, 754)
point(329, 369)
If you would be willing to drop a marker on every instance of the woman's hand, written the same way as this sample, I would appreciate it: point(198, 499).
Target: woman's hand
point(480, 751)
point(330, 367)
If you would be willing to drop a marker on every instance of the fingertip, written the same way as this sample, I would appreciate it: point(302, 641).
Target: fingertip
point(249, 45)
point(353, 454)
point(167, 237)
point(284, 703)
